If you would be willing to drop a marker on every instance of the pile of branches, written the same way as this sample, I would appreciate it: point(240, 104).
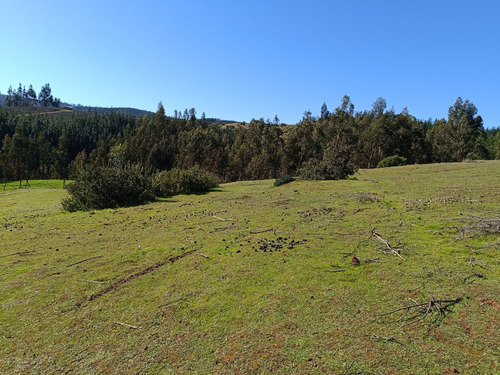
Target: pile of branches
point(421, 310)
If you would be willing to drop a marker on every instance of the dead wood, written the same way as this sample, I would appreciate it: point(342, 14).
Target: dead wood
point(220, 229)
point(339, 270)
point(219, 218)
point(478, 275)
point(424, 309)
point(17, 253)
point(331, 234)
point(203, 255)
point(475, 262)
point(177, 300)
point(387, 339)
point(394, 251)
point(134, 276)
point(84, 260)
point(126, 325)
point(264, 231)
point(92, 281)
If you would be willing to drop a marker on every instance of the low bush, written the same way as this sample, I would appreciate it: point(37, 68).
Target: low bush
point(109, 187)
point(178, 181)
point(392, 161)
point(331, 167)
point(282, 180)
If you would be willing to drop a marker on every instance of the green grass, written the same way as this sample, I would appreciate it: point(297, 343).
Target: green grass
point(230, 308)
point(32, 184)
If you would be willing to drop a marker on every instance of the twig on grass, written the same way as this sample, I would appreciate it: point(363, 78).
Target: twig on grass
point(84, 260)
point(221, 219)
point(438, 306)
point(392, 250)
point(92, 281)
point(387, 339)
point(126, 325)
point(176, 300)
point(18, 253)
point(349, 368)
point(339, 270)
point(264, 231)
point(203, 255)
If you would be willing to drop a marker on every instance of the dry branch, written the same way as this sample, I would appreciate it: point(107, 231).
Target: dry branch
point(394, 251)
point(219, 218)
point(424, 309)
point(264, 231)
point(388, 339)
point(177, 300)
point(126, 325)
point(92, 281)
point(18, 253)
point(203, 255)
point(84, 260)
point(339, 270)
point(331, 234)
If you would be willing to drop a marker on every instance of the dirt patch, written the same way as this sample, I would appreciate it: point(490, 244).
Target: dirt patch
point(489, 301)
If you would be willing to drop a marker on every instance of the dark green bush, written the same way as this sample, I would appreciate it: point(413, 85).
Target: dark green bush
point(331, 167)
point(284, 179)
point(392, 161)
point(178, 181)
point(109, 187)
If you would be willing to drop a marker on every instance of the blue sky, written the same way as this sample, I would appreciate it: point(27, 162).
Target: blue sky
point(250, 59)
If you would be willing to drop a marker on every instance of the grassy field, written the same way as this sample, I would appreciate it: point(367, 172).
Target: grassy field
point(254, 279)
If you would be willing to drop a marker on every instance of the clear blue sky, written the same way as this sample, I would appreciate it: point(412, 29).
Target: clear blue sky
point(249, 59)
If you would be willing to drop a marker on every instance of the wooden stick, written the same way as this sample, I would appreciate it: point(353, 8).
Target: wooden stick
point(340, 270)
point(84, 260)
point(176, 300)
point(126, 325)
point(203, 255)
point(219, 218)
point(92, 281)
point(18, 253)
point(262, 231)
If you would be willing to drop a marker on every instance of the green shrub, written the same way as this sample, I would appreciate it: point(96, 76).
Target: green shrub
point(178, 181)
point(392, 161)
point(108, 187)
point(332, 166)
point(284, 179)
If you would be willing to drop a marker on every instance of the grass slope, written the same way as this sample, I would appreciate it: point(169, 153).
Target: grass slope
point(184, 285)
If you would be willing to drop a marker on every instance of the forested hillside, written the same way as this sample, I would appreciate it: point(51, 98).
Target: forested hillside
point(35, 145)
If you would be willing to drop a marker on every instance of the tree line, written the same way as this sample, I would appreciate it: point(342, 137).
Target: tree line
point(37, 146)
point(28, 98)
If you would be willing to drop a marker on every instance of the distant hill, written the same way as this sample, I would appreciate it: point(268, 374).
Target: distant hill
point(66, 107)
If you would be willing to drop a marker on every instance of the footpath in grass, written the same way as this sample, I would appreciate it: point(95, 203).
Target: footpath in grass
point(393, 272)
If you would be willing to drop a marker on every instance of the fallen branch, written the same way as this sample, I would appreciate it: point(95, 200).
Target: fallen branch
point(388, 339)
point(395, 251)
point(176, 300)
point(478, 275)
point(203, 255)
point(425, 309)
point(92, 281)
point(84, 260)
point(330, 234)
point(219, 218)
point(18, 253)
point(264, 231)
point(339, 270)
point(126, 325)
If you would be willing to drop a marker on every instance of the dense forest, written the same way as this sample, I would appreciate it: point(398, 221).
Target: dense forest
point(40, 146)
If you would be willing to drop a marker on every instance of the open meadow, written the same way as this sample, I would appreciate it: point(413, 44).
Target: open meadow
point(395, 271)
